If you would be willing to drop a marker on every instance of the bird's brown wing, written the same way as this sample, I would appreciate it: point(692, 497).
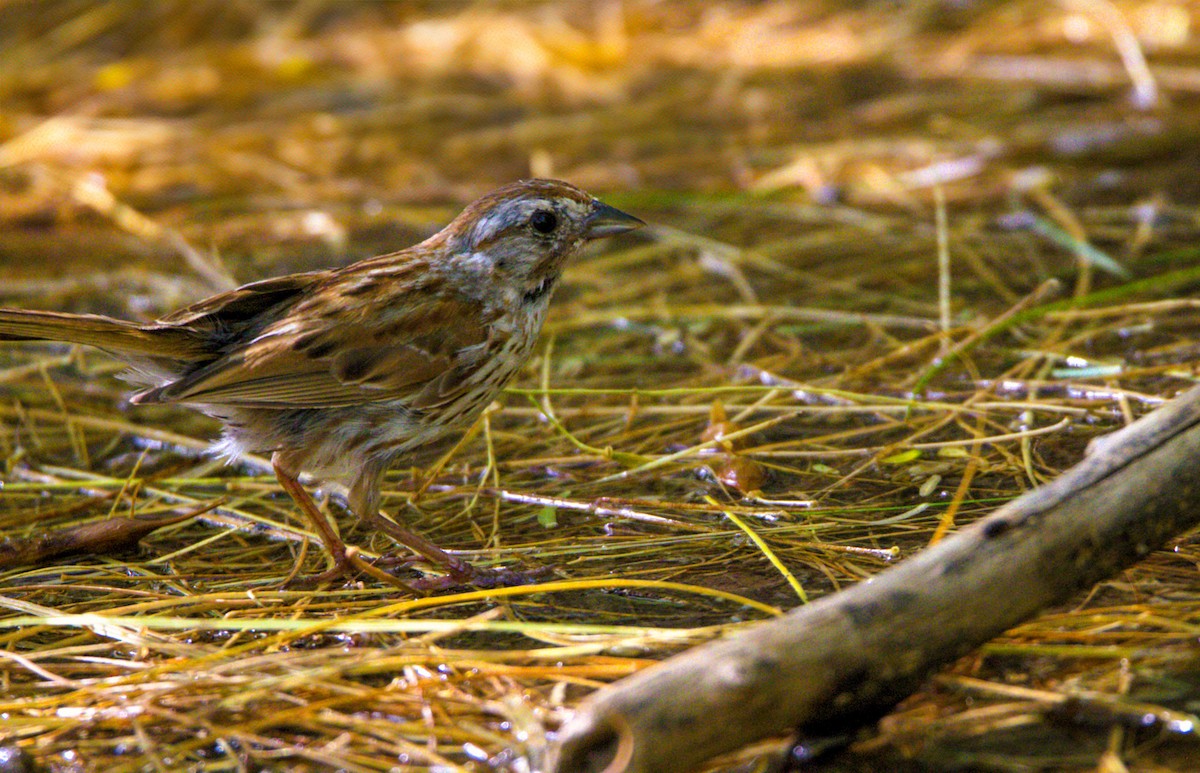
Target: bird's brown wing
point(235, 308)
point(341, 357)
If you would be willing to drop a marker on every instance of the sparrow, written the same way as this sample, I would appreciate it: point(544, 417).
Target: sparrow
point(337, 374)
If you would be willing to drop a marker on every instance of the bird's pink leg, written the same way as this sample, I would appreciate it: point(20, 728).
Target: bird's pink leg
point(346, 565)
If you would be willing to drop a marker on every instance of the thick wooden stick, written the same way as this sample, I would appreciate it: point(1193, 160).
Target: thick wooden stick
point(848, 658)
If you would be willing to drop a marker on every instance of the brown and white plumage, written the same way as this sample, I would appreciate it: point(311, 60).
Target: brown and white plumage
point(336, 373)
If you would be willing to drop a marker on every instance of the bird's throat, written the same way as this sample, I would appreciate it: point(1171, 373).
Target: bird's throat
point(538, 291)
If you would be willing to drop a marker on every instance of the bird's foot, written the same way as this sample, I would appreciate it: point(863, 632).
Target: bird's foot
point(484, 578)
point(454, 571)
point(459, 573)
point(347, 567)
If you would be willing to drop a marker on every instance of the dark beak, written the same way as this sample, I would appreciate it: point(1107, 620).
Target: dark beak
point(609, 221)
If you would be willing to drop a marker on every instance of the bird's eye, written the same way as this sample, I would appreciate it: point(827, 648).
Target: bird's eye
point(543, 221)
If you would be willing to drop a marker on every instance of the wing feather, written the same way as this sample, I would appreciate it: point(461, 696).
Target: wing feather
point(245, 303)
point(343, 357)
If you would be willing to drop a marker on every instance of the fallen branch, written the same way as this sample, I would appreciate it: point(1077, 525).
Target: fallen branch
point(845, 660)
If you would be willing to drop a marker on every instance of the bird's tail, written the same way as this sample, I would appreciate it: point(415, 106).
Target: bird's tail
point(112, 335)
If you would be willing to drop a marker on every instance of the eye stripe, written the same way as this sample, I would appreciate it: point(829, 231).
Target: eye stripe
point(515, 216)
